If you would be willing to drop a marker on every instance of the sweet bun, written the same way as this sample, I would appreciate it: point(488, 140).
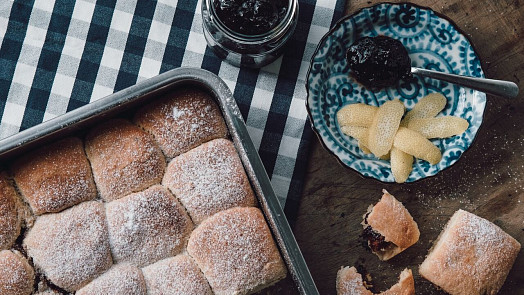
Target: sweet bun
point(182, 120)
point(125, 159)
point(176, 275)
point(147, 226)
point(9, 218)
point(71, 247)
point(48, 292)
point(236, 252)
point(120, 279)
point(389, 228)
point(405, 285)
point(16, 275)
point(208, 179)
point(349, 282)
point(55, 177)
point(471, 256)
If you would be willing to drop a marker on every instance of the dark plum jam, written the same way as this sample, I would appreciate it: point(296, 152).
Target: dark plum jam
point(379, 62)
point(376, 241)
point(251, 17)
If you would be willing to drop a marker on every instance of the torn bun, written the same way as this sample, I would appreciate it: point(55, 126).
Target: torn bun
point(349, 282)
point(389, 228)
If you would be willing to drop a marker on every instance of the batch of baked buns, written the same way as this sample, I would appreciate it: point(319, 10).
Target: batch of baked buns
point(158, 204)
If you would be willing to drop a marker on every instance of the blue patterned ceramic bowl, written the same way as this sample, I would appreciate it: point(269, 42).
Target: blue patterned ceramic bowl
point(433, 43)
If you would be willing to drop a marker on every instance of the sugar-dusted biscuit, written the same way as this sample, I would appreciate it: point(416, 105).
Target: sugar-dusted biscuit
point(125, 159)
point(55, 177)
point(236, 252)
point(208, 179)
point(176, 275)
point(9, 218)
point(182, 120)
point(120, 279)
point(16, 275)
point(471, 256)
point(147, 226)
point(71, 247)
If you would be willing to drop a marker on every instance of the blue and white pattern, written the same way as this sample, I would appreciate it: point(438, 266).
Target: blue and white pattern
point(433, 43)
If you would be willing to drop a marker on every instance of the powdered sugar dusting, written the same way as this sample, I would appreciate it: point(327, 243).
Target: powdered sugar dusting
point(182, 121)
point(236, 252)
point(176, 275)
point(177, 113)
point(147, 226)
point(9, 220)
point(73, 250)
point(472, 254)
point(47, 292)
point(71, 247)
point(16, 275)
point(208, 179)
point(55, 177)
point(124, 158)
point(120, 279)
point(349, 282)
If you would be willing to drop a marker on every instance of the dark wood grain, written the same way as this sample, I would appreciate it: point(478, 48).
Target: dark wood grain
point(488, 180)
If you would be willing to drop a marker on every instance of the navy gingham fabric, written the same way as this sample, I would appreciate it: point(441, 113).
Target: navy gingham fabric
point(58, 55)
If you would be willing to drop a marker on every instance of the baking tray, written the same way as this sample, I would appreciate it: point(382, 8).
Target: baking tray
point(131, 97)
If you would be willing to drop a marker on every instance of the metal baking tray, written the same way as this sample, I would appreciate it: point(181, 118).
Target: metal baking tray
point(80, 119)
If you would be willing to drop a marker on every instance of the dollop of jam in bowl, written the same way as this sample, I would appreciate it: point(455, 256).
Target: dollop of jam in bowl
point(378, 62)
point(251, 17)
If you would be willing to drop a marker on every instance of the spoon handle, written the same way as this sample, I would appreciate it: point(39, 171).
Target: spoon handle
point(495, 87)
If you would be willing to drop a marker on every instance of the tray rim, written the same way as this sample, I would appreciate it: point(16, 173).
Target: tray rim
point(62, 125)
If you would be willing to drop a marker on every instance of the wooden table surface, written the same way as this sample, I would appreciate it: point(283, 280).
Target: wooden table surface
point(488, 180)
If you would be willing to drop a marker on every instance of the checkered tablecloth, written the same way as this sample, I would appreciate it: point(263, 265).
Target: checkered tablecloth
point(58, 55)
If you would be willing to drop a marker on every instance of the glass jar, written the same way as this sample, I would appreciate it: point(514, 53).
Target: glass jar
point(252, 51)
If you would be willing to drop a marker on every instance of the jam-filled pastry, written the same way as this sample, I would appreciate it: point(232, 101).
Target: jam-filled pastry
point(389, 228)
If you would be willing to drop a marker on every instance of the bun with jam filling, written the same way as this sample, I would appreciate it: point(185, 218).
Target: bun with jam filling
point(389, 228)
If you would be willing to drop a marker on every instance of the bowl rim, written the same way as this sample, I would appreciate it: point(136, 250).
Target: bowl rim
point(336, 27)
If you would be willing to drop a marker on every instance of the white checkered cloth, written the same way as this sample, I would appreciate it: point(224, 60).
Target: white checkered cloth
point(57, 55)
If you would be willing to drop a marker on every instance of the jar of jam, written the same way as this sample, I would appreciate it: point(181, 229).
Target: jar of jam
point(249, 33)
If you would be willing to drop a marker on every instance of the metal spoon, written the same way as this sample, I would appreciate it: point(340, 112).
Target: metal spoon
point(490, 86)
